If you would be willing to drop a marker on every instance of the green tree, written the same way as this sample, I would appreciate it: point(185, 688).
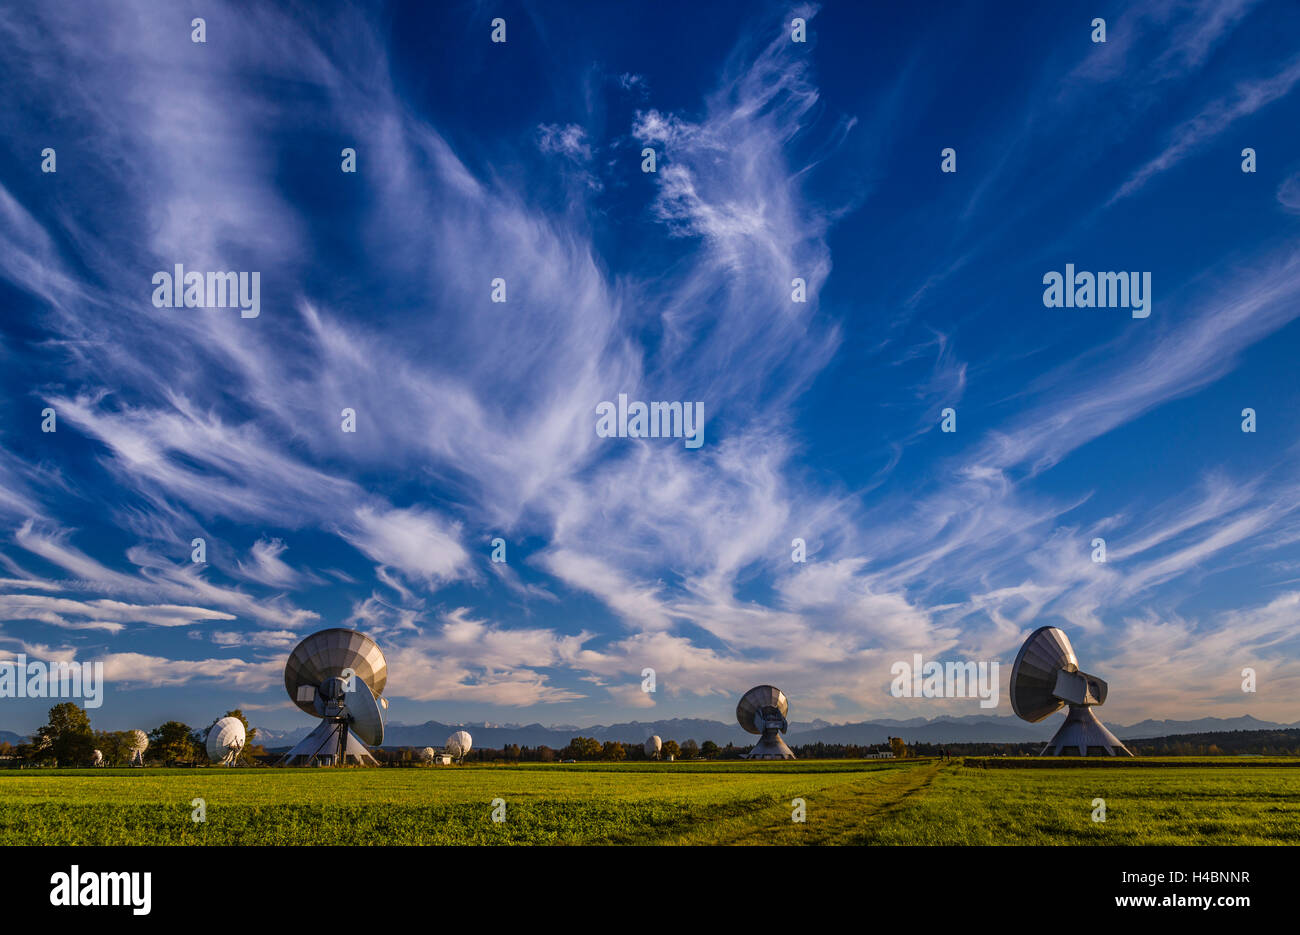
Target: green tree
point(709, 749)
point(898, 746)
point(690, 750)
point(582, 748)
point(613, 750)
point(67, 739)
point(115, 745)
point(172, 743)
point(670, 749)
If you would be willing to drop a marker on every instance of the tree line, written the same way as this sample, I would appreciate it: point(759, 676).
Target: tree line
point(68, 739)
point(591, 750)
point(1221, 743)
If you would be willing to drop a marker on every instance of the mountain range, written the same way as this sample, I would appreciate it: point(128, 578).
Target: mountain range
point(971, 729)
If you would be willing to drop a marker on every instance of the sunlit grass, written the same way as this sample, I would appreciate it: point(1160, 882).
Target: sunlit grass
point(846, 802)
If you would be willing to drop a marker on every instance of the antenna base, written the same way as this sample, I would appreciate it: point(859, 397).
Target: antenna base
point(770, 747)
point(1083, 734)
point(330, 744)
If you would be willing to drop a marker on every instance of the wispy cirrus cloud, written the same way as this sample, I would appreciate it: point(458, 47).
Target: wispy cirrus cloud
point(1213, 120)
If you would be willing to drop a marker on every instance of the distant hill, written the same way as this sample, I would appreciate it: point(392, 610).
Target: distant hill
point(1151, 728)
point(969, 729)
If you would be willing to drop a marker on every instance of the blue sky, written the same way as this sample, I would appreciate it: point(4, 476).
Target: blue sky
point(476, 420)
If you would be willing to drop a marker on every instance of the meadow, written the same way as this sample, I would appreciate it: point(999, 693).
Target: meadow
point(846, 802)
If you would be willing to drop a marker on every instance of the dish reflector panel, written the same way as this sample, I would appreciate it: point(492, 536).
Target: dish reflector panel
point(459, 743)
point(1034, 674)
point(364, 715)
point(225, 740)
point(328, 654)
point(754, 700)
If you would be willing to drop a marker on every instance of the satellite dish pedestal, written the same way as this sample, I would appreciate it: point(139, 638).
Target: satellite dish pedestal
point(1081, 730)
point(330, 744)
point(771, 746)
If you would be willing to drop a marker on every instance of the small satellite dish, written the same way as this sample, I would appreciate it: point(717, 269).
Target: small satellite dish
point(762, 710)
point(1045, 678)
point(428, 754)
point(225, 741)
point(459, 744)
point(96, 758)
point(338, 676)
point(653, 746)
point(137, 742)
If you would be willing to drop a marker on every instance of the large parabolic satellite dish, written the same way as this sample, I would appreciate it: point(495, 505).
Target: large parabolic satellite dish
point(653, 747)
point(1044, 679)
point(762, 710)
point(337, 675)
point(225, 741)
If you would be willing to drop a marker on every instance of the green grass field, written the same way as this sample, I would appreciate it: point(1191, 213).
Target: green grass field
point(847, 802)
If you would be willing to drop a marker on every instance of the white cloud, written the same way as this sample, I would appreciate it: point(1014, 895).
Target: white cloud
point(570, 141)
point(413, 541)
point(1288, 193)
point(1213, 120)
point(102, 614)
point(267, 567)
point(468, 659)
point(141, 669)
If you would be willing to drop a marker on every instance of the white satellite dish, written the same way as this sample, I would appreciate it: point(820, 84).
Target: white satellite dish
point(137, 742)
point(459, 744)
point(1046, 678)
point(653, 746)
point(337, 675)
point(225, 741)
point(97, 758)
point(428, 754)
